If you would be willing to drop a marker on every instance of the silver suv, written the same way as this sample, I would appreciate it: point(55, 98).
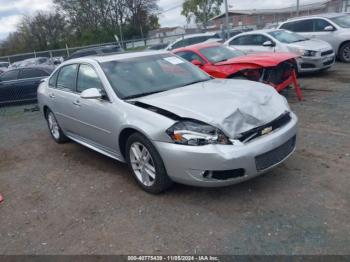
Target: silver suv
point(333, 28)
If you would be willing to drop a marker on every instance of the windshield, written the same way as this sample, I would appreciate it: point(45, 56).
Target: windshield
point(342, 21)
point(141, 76)
point(217, 54)
point(287, 37)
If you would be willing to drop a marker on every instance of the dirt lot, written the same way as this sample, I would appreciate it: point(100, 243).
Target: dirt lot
point(67, 199)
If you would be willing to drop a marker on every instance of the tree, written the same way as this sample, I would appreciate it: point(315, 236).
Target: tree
point(201, 10)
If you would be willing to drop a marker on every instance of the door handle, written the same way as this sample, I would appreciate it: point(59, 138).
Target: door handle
point(52, 95)
point(77, 103)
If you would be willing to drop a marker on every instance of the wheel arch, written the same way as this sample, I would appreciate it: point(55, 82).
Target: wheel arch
point(341, 45)
point(124, 135)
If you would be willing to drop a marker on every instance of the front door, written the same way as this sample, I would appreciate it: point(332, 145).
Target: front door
point(96, 116)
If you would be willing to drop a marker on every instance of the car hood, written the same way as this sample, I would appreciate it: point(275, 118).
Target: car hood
point(234, 106)
point(312, 44)
point(260, 59)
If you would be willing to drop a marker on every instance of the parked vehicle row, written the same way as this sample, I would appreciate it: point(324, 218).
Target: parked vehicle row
point(171, 123)
point(314, 55)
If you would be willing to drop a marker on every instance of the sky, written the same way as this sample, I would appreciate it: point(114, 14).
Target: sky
point(11, 11)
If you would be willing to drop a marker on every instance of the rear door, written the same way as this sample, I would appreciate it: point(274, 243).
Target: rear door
point(64, 98)
point(8, 87)
point(29, 80)
point(304, 27)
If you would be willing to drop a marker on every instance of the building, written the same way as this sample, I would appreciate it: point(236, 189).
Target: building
point(166, 31)
point(260, 18)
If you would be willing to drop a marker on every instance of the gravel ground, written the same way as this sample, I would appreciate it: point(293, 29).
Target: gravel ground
point(67, 199)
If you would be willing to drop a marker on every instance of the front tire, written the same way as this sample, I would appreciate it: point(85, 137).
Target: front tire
point(146, 164)
point(54, 128)
point(344, 53)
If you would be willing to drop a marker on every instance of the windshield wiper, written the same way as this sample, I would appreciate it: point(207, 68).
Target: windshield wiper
point(223, 60)
point(143, 94)
point(197, 81)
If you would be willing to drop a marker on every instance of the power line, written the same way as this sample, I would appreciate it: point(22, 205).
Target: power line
point(169, 9)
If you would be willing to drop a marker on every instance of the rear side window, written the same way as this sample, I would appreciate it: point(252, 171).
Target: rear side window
point(32, 73)
point(180, 43)
point(241, 40)
point(67, 77)
point(300, 26)
point(10, 75)
point(87, 78)
point(288, 26)
point(53, 80)
point(249, 40)
point(196, 40)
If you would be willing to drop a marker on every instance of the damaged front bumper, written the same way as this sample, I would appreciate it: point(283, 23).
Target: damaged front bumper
point(221, 165)
point(314, 64)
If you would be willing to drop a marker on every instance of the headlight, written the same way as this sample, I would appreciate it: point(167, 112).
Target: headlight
point(296, 50)
point(196, 133)
point(309, 53)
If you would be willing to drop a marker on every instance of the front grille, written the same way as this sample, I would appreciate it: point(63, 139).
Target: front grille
point(307, 65)
point(264, 129)
point(328, 62)
point(274, 156)
point(328, 52)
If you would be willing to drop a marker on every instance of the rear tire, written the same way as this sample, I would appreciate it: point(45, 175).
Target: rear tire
point(54, 128)
point(344, 53)
point(146, 164)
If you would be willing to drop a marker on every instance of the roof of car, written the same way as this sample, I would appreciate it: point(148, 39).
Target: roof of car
point(260, 31)
point(325, 15)
point(101, 58)
point(197, 46)
point(197, 35)
point(46, 68)
point(96, 48)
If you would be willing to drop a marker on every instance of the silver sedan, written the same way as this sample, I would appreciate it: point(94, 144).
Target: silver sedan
point(168, 120)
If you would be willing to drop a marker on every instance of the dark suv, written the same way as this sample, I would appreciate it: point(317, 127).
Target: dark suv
point(96, 51)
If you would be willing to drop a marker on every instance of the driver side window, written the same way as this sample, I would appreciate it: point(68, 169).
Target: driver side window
point(190, 56)
point(88, 78)
point(320, 24)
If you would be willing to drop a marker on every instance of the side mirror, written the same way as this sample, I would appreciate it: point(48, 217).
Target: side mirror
point(269, 43)
point(196, 62)
point(329, 28)
point(91, 93)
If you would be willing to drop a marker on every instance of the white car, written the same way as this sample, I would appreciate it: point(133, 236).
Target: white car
point(333, 28)
point(315, 55)
point(187, 40)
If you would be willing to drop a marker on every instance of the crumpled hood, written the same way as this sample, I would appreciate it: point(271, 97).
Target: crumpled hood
point(234, 106)
point(312, 44)
point(260, 59)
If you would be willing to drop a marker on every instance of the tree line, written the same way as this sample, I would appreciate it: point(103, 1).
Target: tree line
point(82, 22)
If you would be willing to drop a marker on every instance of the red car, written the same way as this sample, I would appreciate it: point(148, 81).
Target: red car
point(276, 69)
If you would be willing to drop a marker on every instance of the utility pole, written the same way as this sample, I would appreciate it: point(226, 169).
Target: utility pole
point(298, 7)
point(226, 18)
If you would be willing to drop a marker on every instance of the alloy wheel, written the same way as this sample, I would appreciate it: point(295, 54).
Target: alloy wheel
point(53, 126)
point(142, 164)
point(346, 53)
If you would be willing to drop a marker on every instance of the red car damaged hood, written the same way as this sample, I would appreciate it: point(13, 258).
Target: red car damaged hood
point(259, 59)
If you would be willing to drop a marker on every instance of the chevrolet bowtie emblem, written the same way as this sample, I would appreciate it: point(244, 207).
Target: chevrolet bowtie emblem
point(266, 130)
